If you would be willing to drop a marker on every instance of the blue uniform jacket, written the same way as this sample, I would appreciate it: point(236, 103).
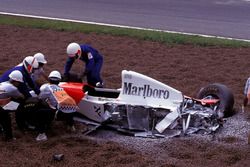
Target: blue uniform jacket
point(23, 87)
point(93, 63)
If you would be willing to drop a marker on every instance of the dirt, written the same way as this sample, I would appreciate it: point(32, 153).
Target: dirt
point(184, 67)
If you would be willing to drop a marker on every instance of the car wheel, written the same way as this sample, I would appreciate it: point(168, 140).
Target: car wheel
point(221, 92)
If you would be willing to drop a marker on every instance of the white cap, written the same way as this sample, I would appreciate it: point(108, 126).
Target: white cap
point(55, 74)
point(40, 58)
point(16, 76)
point(73, 49)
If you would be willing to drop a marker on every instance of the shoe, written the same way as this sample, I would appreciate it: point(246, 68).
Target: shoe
point(30, 127)
point(1, 129)
point(41, 137)
point(73, 129)
point(99, 85)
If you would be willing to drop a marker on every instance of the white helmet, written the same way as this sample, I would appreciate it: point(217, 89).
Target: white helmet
point(40, 58)
point(55, 74)
point(16, 76)
point(73, 49)
point(29, 63)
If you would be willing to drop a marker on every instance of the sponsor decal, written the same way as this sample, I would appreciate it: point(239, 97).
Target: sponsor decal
point(128, 76)
point(98, 111)
point(144, 91)
point(90, 56)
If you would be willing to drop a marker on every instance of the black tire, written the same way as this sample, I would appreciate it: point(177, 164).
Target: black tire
point(222, 92)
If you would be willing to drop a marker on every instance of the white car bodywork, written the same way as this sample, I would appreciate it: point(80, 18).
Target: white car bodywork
point(144, 104)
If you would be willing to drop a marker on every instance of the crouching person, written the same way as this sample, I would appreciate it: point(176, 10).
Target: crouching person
point(9, 92)
point(59, 101)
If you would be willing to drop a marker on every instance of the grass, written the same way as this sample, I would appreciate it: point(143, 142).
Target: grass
point(158, 36)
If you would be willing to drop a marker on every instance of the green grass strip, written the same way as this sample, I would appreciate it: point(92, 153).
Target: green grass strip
point(158, 36)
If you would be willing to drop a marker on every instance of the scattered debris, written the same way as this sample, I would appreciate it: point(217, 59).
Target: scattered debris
point(58, 157)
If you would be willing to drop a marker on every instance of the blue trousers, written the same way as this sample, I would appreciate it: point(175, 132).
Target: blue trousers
point(94, 75)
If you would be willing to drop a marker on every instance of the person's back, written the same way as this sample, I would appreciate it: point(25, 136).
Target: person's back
point(57, 98)
point(8, 92)
point(26, 69)
point(59, 101)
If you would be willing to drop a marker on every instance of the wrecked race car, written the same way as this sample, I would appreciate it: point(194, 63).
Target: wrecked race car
point(148, 108)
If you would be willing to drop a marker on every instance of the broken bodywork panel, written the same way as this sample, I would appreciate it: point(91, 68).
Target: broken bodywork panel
point(158, 122)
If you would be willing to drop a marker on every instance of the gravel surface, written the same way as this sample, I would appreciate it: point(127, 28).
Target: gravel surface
point(235, 130)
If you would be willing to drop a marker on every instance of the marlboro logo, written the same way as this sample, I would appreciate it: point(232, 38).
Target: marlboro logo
point(144, 91)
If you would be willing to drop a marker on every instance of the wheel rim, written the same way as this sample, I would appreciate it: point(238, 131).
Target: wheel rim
point(216, 105)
